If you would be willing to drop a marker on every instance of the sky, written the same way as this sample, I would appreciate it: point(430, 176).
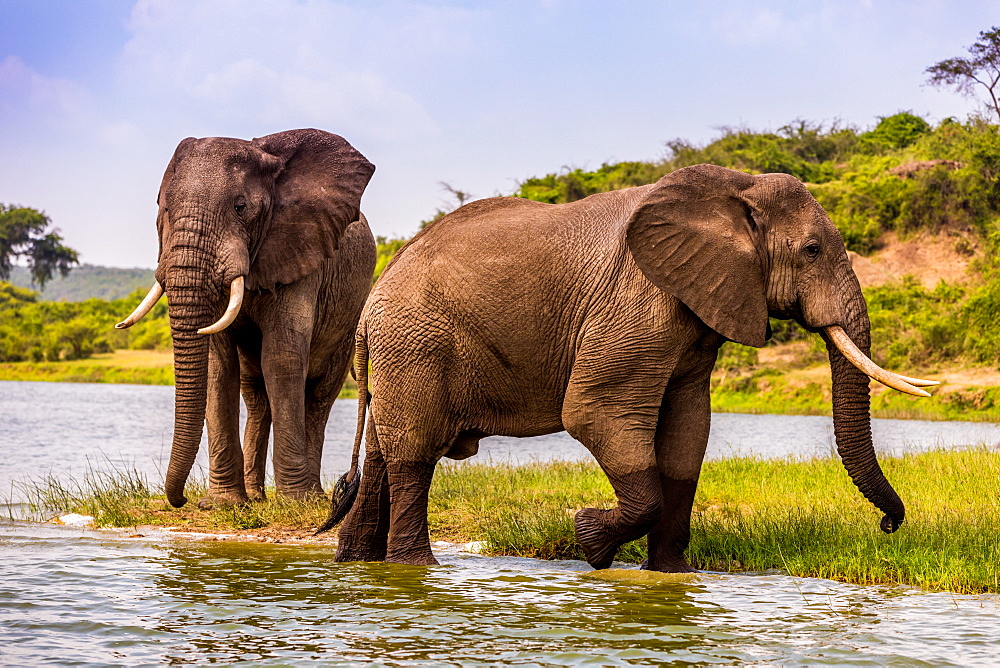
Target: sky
point(96, 94)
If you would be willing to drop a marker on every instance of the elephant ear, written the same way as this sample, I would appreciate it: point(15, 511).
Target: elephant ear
point(317, 195)
point(694, 237)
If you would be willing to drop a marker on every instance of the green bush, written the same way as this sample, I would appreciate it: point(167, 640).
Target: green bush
point(35, 331)
point(893, 132)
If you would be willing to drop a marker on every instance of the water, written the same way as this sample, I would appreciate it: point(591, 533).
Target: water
point(74, 597)
point(87, 597)
point(64, 428)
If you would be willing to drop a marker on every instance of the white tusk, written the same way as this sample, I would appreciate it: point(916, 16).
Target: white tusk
point(918, 382)
point(860, 360)
point(144, 307)
point(235, 301)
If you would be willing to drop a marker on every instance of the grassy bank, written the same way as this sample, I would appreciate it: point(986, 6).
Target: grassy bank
point(136, 367)
point(754, 390)
point(790, 394)
point(804, 518)
point(141, 367)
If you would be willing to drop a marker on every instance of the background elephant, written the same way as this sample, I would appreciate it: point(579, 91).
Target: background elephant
point(603, 317)
point(273, 224)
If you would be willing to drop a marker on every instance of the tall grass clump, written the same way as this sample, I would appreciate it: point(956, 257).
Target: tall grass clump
point(113, 498)
point(802, 517)
point(124, 498)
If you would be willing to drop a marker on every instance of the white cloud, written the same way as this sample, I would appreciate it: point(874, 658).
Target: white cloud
point(53, 100)
point(284, 63)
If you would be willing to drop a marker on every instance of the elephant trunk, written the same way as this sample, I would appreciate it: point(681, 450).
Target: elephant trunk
point(193, 303)
point(852, 423)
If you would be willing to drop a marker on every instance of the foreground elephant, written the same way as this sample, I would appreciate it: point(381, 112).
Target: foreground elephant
point(275, 225)
point(602, 317)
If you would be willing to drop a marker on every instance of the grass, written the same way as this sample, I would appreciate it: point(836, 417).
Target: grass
point(774, 392)
point(139, 367)
point(131, 367)
point(802, 517)
point(799, 388)
point(797, 382)
point(127, 499)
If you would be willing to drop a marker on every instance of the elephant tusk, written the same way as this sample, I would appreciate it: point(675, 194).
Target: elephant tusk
point(144, 307)
point(918, 382)
point(235, 301)
point(872, 370)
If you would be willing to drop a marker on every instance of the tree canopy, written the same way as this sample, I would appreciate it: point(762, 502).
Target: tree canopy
point(981, 68)
point(27, 233)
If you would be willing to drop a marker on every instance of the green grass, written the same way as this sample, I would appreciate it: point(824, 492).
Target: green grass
point(114, 499)
point(781, 393)
point(127, 499)
point(804, 518)
point(132, 367)
point(79, 371)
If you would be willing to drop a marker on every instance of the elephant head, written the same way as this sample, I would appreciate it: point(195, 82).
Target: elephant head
point(238, 215)
point(735, 249)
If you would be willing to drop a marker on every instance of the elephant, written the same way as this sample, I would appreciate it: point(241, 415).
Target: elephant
point(277, 221)
point(602, 317)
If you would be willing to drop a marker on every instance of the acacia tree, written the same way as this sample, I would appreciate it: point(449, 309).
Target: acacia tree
point(981, 68)
point(25, 233)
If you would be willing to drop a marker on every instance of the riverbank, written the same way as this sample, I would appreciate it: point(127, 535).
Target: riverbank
point(804, 518)
point(794, 379)
point(129, 367)
point(784, 380)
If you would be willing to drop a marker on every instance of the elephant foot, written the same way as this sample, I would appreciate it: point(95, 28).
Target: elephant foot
point(668, 566)
point(416, 558)
point(353, 545)
point(302, 493)
point(256, 495)
point(599, 546)
point(219, 500)
point(359, 554)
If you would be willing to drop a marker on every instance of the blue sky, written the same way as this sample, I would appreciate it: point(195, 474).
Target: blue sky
point(95, 95)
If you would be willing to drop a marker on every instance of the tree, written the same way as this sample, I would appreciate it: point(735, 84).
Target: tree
point(461, 197)
point(982, 68)
point(26, 233)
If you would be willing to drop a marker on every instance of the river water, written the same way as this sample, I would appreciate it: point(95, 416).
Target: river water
point(66, 428)
point(87, 597)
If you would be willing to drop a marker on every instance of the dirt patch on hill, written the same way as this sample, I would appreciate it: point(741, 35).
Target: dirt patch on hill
point(929, 258)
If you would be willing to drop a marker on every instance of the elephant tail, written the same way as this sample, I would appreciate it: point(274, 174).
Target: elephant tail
point(346, 489)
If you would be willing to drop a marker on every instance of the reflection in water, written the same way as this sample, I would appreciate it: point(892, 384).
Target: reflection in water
point(470, 610)
point(68, 595)
point(73, 596)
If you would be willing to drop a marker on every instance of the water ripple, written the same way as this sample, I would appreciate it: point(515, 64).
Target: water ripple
point(78, 597)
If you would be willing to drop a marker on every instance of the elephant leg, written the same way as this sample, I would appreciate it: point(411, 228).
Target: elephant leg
point(284, 353)
point(601, 533)
point(222, 415)
point(256, 435)
point(321, 392)
point(409, 540)
point(681, 439)
point(624, 450)
point(364, 534)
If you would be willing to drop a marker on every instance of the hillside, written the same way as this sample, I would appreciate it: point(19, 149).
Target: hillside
point(88, 281)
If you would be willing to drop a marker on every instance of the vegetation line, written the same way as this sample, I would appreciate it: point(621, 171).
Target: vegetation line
point(804, 518)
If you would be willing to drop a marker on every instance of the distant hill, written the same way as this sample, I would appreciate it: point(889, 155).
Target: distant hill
point(87, 281)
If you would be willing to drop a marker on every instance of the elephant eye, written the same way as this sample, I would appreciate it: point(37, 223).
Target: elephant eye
point(241, 205)
point(811, 250)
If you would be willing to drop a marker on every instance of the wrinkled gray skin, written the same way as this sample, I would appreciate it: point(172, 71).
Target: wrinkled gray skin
point(282, 211)
point(602, 317)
